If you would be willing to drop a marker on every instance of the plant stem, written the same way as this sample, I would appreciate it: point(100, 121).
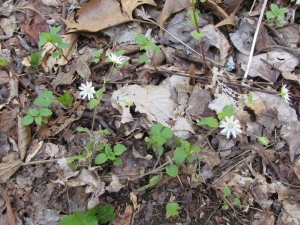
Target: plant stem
point(200, 41)
point(56, 48)
point(20, 81)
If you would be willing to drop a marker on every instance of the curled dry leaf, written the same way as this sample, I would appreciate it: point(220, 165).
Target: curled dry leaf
point(35, 149)
point(24, 138)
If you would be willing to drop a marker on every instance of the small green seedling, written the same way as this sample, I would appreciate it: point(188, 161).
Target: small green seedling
point(276, 15)
point(66, 99)
point(172, 208)
point(193, 19)
point(102, 215)
point(53, 38)
point(110, 154)
point(159, 137)
point(97, 55)
point(153, 181)
point(39, 116)
point(35, 58)
point(227, 193)
point(147, 45)
point(3, 62)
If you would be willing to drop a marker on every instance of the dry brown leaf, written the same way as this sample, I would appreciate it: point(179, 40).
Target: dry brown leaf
point(130, 5)
point(231, 19)
point(291, 76)
point(7, 168)
point(125, 218)
point(33, 151)
point(264, 218)
point(290, 213)
point(170, 7)
point(9, 210)
point(9, 25)
point(24, 138)
point(100, 14)
point(114, 185)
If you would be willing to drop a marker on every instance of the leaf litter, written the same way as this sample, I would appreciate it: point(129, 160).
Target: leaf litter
point(41, 186)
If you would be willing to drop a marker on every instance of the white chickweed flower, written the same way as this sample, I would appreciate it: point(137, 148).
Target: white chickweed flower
point(230, 126)
point(87, 90)
point(284, 93)
point(116, 59)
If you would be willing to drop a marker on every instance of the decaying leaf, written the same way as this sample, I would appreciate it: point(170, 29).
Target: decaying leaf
point(7, 167)
point(290, 213)
point(130, 5)
point(24, 138)
point(34, 151)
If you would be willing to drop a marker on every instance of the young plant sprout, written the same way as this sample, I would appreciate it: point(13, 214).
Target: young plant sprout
point(87, 90)
point(230, 126)
point(284, 93)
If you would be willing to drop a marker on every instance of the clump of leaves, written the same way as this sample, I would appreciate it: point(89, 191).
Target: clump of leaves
point(227, 193)
point(35, 58)
point(276, 15)
point(102, 215)
point(39, 116)
point(110, 154)
point(147, 45)
point(66, 99)
point(160, 136)
point(97, 55)
point(55, 39)
point(172, 209)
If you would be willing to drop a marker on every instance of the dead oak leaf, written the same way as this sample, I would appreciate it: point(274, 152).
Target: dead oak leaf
point(100, 14)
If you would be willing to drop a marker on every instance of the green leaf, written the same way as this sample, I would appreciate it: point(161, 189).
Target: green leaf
point(33, 112)
point(209, 121)
point(264, 141)
point(172, 208)
point(97, 55)
point(159, 140)
point(167, 133)
point(109, 152)
point(172, 170)
point(56, 54)
point(275, 9)
point(226, 111)
point(45, 112)
point(140, 39)
point(270, 15)
point(190, 18)
point(128, 102)
point(45, 99)
point(102, 132)
point(78, 157)
point(153, 181)
point(82, 129)
point(66, 99)
point(227, 191)
point(54, 30)
point(27, 120)
point(94, 103)
point(179, 155)
point(236, 201)
point(225, 207)
point(35, 59)
point(38, 120)
point(198, 36)
point(143, 58)
point(63, 45)
point(120, 52)
point(101, 158)
point(160, 150)
point(195, 149)
point(79, 218)
point(157, 128)
point(99, 93)
point(190, 158)
point(43, 39)
point(117, 161)
point(3, 62)
point(106, 214)
point(250, 98)
point(119, 149)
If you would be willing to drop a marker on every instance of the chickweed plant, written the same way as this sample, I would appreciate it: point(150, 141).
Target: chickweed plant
point(172, 209)
point(56, 40)
point(147, 45)
point(227, 194)
point(275, 17)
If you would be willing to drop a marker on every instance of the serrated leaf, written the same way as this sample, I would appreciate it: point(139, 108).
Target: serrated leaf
point(179, 155)
point(117, 161)
point(66, 99)
point(153, 181)
point(172, 208)
point(236, 201)
point(227, 191)
point(79, 218)
point(172, 170)
point(209, 121)
point(119, 149)
point(45, 112)
point(38, 120)
point(94, 103)
point(27, 120)
point(45, 99)
point(140, 39)
point(101, 158)
point(33, 112)
point(143, 58)
point(106, 214)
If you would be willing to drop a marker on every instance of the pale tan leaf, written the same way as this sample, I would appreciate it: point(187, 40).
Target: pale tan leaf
point(170, 7)
point(130, 5)
point(8, 166)
point(35, 149)
point(97, 15)
point(24, 138)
